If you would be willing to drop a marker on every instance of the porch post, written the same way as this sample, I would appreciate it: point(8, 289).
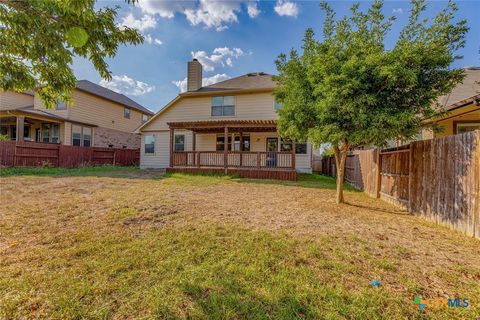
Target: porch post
point(194, 142)
point(293, 154)
point(225, 149)
point(20, 128)
point(171, 147)
point(241, 147)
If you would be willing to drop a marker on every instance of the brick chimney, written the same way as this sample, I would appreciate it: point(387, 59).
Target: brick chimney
point(194, 75)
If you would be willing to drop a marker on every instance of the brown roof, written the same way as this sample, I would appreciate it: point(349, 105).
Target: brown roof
point(108, 94)
point(256, 81)
point(460, 95)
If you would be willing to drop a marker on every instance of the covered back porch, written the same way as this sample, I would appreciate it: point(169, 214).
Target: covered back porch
point(233, 154)
point(28, 125)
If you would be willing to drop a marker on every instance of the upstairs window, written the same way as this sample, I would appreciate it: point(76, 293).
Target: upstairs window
point(126, 113)
point(61, 105)
point(144, 118)
point(277, 105)
point(223, 106)
point(149, 144)
point(179, 142)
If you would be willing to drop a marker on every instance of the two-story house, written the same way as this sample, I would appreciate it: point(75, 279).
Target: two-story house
point(230, 126)
point(100, 118)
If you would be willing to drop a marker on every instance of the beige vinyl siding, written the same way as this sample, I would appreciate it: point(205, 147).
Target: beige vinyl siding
point(67, 134)
point(103, 113)
point(94, 110)
point(253, 106)
point(250, 106)
point(161, 157)
point(38, 104)
point(14, 100)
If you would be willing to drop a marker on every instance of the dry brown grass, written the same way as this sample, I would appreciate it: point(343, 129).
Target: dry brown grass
point(48, 224)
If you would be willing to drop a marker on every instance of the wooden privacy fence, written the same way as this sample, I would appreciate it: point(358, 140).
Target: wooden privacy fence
point(32, 154)
point(438, 179)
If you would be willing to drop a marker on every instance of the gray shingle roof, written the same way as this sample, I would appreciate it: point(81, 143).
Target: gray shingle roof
point(108, 94)
point(249, 81)
point(470, 87)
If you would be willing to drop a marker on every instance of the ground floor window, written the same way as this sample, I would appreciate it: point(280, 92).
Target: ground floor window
point(221, 143)
point(246, 142)
point(149, 142)
point(300, 148)
point(286, 146)
point(87, 137)
point(179, 142)
point(50, 133)
point(462, 127)
point(81, 136)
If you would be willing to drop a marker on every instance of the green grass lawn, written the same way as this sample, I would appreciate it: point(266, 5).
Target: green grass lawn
point(106, 170)
point(94, 245)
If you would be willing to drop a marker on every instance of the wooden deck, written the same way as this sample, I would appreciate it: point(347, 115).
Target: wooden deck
point(276, 174)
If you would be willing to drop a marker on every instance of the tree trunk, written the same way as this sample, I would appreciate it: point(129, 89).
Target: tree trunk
point(340, 159)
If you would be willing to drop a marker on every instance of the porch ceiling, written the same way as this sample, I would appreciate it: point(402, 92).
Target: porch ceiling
point(218, 126)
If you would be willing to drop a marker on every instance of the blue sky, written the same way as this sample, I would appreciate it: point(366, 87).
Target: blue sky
point(230, 38)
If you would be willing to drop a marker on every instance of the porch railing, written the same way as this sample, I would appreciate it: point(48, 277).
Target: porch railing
point(212, 159)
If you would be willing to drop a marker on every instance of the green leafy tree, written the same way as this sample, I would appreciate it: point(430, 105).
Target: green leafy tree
point(349, 89)
point(38, 40)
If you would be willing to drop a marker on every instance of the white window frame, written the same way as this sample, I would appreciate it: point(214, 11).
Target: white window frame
point(223, 105)
point(175, 142)
point(127, 113)
point(82, 136)
point(466, 123)
point(144, 143)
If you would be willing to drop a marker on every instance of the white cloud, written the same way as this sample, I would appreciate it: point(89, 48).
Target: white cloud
point(165, 9)
point(213, 14)
point(219, 57)
point(398, 10)
point(182, 84)
point(126, 85)
point(142, 24)
point(252, 9)
point(286, 8)
point(207, 13)
point(151, 40)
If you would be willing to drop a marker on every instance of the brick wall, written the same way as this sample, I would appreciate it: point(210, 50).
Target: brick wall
point(103, 137)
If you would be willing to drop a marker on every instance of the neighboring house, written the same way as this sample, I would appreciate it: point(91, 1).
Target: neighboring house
point(100, 118)
point(228, 126)
point(462, 110)
point(462, 106)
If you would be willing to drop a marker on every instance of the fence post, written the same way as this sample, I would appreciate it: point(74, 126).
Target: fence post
point(15, 154)
point(410, 169)
point(378, 183)
point(58, 155)
point(114, 155)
